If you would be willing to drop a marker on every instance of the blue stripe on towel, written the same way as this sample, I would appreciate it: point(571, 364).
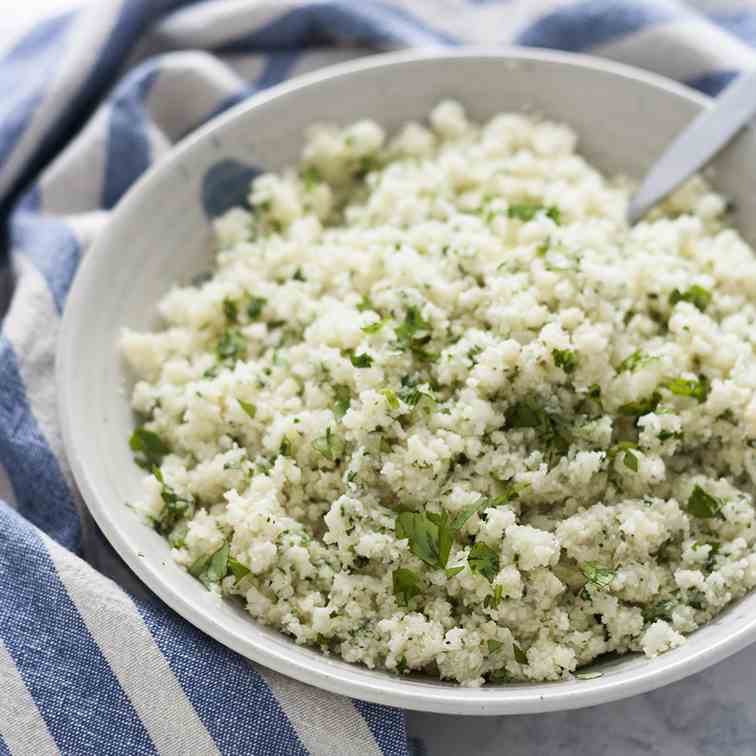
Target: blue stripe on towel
point(582, 25)
point(712, 83)
point(212, 676)
point(81, 701)
point(38, 483)
point(51, 246)
point(128, 153)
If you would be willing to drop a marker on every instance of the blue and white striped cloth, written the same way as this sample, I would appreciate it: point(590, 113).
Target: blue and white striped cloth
point(90, 662)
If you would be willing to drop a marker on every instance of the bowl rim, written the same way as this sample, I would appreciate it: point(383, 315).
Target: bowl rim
point(292, 660)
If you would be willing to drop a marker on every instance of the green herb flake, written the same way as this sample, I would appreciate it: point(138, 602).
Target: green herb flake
point(231, 310)
point(634, 361)
point(452, 571)
point(255, 307)
point(423, 536)
point(660, 610)
point(641, 406)
point(520, 656)
point(493, 645)
point(298, 275)
point(565, 359)
point(231, 345)
point(405, 585)
point(343, 398)
point(493, 600)
point(597, 575)
point(527, 211)
point(703, 504)
point(310, 177)
point(550, 428)
point(484, 560)
point(149, 449)
point(698, 390)
point(248, 408)
point(371, 328)
point(365, 304)
point(363, 360)
point(391, 398)
point(238, 570)
point(630, 461)
point(414, 333)
point(329, 445)
point(695, 295)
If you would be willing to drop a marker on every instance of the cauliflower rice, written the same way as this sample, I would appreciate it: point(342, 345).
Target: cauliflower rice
point(438, 408)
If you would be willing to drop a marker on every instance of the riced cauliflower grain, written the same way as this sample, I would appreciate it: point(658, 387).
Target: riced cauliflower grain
point(439, 409)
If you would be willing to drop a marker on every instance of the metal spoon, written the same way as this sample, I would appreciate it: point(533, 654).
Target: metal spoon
point(708, 133)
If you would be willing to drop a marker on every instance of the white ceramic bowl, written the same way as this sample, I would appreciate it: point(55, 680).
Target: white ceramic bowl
point(160, 235)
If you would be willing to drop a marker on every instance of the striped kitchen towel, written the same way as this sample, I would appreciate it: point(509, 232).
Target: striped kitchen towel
point(90, 662)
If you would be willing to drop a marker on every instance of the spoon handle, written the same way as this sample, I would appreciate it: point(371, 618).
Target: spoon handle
point(697, 144)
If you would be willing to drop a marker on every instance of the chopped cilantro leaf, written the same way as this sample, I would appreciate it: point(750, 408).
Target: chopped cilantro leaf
point(520, 656)
point(298, 275)
point(565, 359)
point(414, 333)
point(635, 360)
point(703, 504)
point(698, 390)
point(493, 600)
point(310, 177)
point(238, 570)
point(641, 406)
point(149, 449)
point(248, 407)
point(343, 397)
point(493, 645)
point(231, 345)
point(363, 360)
point(365, 304)
point(630, 461)
point(255, 307)
point(211, 568)
point(391, 398)
point(329, 445)
point(484, 560)
point(230, 310)
point(597, 575)
point(550, 428)
point(660, 610)
point(405, 585)
point(527, 211)
point(374, 327)
point(696, 295)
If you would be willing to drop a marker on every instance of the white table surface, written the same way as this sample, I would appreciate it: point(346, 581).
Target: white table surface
point(710, 714)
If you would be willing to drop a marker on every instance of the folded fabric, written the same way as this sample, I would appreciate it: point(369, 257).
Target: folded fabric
point(90, 661)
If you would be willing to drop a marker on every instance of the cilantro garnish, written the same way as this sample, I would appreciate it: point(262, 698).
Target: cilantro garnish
point(329, 445)
point(550, 428)
point(255, 307)
point(238, 570)
point(343, 397)
point(391, 398)
point(597, 575)
point(484, 560)
point(310, 177)
point(405, 585)
point(231, 345)
point(248, 407)
point(696, 295)
point(230, 310)
point(703, 504)
point(211, 568)
point(363, 360)
point(698, 390)
point(660, 610)
point(630, 461)
point(493, 600)
point(635, 360)
point(374, 327)
point(641, 406)
point(519, 655)
point(527, 211)
point(565, 359)
point(414, 333)
point(149, 449)
point(174, 507)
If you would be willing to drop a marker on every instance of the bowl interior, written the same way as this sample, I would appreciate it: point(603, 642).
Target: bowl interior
point(160, 235)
